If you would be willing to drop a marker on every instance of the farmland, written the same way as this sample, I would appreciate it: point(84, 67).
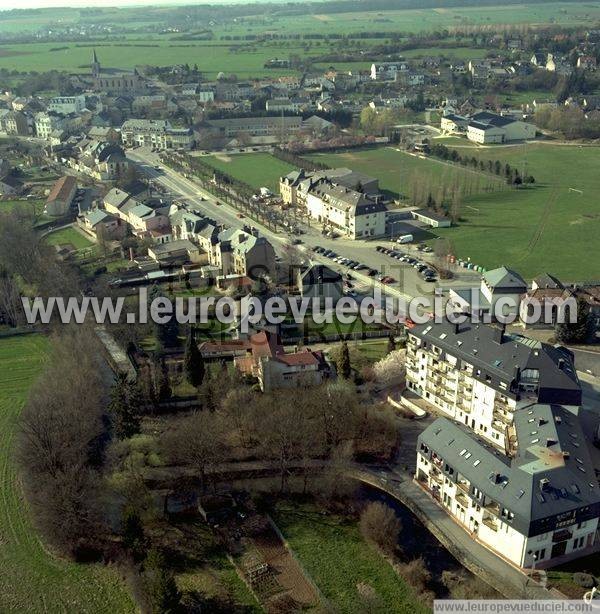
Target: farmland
point(550, 227)
point(256, 169)
point(243, 60)
point(405, 20)
point(403, 174)
point(226, 51)
point(31, 579)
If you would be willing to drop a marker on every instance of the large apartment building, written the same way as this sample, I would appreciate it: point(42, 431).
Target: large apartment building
point(512, 466)
point(156, 133)
point(538, 506)
point(479, 375)
point(340, 199)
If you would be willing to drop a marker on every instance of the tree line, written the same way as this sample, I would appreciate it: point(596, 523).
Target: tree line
point(511, 174)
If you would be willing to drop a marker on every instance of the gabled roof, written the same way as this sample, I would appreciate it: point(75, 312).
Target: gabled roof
point(141, 211)
point(116, 198)
point(504, 278)
point(548, 281)
point(95, 216)
point(317, 273)
point(62, 189)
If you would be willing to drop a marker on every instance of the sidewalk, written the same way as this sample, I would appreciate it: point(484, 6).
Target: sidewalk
point(498, 573)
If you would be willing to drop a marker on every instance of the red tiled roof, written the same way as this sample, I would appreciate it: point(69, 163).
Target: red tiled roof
point(62, 188)
point(306, 357)
point(266, 344)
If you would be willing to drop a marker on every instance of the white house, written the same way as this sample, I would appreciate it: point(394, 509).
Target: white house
point(67, 104)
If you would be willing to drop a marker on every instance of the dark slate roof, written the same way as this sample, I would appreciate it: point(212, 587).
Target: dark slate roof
point(502, 357)
point(320, 273)
point(548, 281)
point(488, 120)
point(551, 473)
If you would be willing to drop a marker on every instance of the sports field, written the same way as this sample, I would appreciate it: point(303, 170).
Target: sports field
point(255, 169)
point(31, 580)
point(551, 227)
point(403, 174)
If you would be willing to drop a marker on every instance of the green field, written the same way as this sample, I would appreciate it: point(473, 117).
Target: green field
point(255, 169)
point(68, 236)
point(412, 20)
point(227, 52)
point(402, 174)
point(232, 58)
point(546, 228)
point(338, 560)
point(31, 579)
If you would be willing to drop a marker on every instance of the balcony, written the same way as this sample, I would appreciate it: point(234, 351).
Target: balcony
point(464, 486)
point(436, 477)
point(501, 417)
point(463, 499)
point(489, 522)
point(492, 507)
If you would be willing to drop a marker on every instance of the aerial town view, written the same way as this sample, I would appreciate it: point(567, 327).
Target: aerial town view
point(299, 306)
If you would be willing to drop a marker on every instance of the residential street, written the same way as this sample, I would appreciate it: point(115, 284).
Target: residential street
point(408, 285)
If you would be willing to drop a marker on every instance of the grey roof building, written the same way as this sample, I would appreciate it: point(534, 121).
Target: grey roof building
point(520, 367)
point(550, 480)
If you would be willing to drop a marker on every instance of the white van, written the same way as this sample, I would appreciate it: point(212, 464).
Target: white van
point(405, 239)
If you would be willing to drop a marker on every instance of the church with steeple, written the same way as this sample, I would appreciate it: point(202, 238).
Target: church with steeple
point(115, 80)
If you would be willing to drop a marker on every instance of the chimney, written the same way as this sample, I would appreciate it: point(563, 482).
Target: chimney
point(517, 374)
point(499, 333)
point(561, 364)
point(544, 484)
point(550, 442)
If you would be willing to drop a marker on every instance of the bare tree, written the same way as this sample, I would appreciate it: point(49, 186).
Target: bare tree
point(59, 443)
point(379, 524)
point(11, 310)
point(197, 441)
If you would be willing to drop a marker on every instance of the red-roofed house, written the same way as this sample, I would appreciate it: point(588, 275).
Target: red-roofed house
point(61, 196)
point(275, 369)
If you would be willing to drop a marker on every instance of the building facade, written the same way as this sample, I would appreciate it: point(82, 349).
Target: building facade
point(157, 133)
point(510, 463)
point(479, 376)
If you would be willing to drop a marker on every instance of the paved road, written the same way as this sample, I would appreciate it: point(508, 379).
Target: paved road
point(408, 281)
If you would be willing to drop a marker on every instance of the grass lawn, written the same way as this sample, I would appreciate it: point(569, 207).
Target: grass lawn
point(255, 169)
point(401, 173)
point(31, 579)
point(31, 205)
point(338, 560)
point(371, 351)
point(548, 227)
point(68, 236)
